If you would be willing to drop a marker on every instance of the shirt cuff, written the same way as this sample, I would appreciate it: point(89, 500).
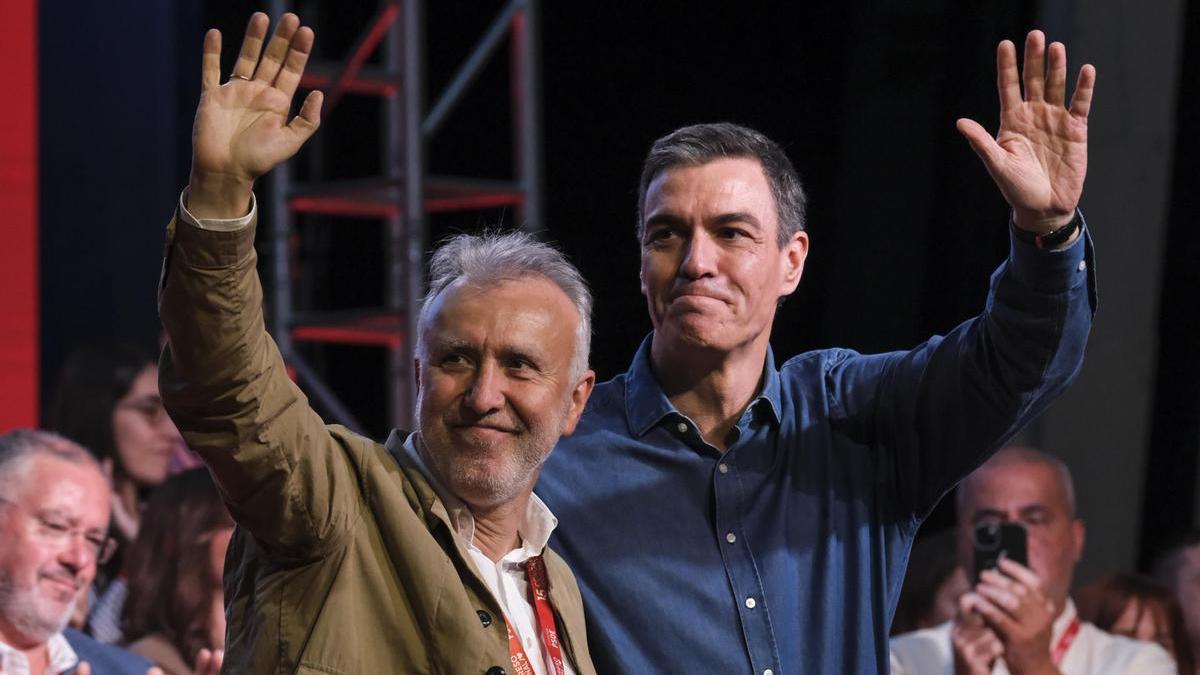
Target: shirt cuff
point(1053, 270)
point(217, 224)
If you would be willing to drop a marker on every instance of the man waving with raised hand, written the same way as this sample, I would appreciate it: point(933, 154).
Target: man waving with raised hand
point(724, 515)
point(427, 555)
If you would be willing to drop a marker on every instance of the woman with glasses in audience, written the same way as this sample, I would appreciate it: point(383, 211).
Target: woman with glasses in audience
point(107, 400)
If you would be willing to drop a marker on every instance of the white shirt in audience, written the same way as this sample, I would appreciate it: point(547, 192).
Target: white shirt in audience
point(1093, 652)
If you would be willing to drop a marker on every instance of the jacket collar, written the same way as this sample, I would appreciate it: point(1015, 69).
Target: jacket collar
point(646, 404)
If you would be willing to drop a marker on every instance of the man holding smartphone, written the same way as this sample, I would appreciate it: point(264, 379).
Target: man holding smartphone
point(1019, 618)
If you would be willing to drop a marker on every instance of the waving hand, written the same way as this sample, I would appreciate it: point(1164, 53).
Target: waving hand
point(242, 129)
point(1039, 157)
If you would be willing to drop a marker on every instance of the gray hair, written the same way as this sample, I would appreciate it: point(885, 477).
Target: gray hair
point(703, 143)
point(490, 258)
point(1021, 455)
point(19, 447)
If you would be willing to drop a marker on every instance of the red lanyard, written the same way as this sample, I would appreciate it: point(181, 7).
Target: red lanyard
point(1064, 642)
point(535, 571)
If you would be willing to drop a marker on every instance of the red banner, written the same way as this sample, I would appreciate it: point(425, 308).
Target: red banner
point(18, 215)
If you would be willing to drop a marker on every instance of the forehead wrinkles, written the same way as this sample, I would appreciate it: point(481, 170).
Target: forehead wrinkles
point(723, 185)
point(521, 314)
point(67, 489)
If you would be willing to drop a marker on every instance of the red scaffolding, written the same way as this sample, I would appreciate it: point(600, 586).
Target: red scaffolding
point(404, 195)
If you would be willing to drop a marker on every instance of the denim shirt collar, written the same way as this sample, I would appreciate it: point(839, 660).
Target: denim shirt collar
point(646, 404)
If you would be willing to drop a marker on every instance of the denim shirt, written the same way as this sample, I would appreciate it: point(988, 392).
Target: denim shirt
point(786, 553)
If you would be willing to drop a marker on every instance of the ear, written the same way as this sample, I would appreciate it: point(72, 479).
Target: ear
point(795, 251)
point(579, 399)
point(1079, 530)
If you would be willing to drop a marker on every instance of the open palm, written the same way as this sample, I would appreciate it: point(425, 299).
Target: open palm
point(1039, 157)
point(242, 129)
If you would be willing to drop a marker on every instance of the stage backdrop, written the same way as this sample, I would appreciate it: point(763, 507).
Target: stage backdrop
point(116, 118)
point(18, 208)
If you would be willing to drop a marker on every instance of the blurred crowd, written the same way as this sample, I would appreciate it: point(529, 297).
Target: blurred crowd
point(157, 588)
point(953, 616)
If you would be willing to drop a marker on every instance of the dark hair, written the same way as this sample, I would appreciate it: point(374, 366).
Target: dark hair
point(92, 380)
point(932, 562)
point(1102, 603)
point(703, 143)
point(167, 569)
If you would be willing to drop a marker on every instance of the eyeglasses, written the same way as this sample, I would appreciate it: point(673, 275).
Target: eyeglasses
point(151, 407)
point(55, 529)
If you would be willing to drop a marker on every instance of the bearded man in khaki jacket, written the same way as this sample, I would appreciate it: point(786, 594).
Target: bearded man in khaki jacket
point(424, 555)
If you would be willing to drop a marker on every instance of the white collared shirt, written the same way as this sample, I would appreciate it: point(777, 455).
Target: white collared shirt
point(217, 224)
point(505, 579)
point(1093, 652)
point(62, 658)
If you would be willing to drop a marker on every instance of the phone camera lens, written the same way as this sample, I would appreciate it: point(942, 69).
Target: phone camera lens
point(987, 537)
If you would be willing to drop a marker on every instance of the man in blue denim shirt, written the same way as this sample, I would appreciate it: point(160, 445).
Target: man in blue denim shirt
point(723, 516)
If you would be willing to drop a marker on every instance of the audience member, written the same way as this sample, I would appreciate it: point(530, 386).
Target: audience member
point(54, 510)
point(932, 585)
point(174, 612)
point(1139, 607)
point(107, 401)
point(1019, 618)
point(1178, 568)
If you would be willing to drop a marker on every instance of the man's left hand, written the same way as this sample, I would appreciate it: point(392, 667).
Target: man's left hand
point(1013, 603)
point(1039, 157)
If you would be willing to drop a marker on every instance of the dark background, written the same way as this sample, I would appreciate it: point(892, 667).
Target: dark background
point(905, 224)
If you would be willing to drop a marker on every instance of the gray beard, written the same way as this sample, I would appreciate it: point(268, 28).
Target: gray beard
point(23, 610)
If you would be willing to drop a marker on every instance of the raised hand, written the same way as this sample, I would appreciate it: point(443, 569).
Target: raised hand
point(1039, 157)
point(241, 129)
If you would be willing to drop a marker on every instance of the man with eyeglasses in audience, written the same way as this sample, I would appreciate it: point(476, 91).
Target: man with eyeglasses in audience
point(54, 512)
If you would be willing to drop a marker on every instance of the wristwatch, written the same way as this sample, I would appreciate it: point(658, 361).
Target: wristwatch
point(1052, 238)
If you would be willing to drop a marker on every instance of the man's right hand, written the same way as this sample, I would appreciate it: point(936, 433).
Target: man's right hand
point(1013, 603)
point(976, 646)
point(241, 129)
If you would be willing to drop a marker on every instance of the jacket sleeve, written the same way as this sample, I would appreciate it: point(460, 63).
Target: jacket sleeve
point(286, 477)
point(936, 412)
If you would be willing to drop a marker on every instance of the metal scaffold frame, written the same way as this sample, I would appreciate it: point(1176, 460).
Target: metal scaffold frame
point(405, 194)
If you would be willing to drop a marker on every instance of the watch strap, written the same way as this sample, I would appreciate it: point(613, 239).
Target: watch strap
point(1052, 238)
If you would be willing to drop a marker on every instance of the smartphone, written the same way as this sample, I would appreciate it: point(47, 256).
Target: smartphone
point(997, 540)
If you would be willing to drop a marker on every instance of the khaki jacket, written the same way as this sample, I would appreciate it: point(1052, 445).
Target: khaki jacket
point(159, 649)
point(344, 560)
